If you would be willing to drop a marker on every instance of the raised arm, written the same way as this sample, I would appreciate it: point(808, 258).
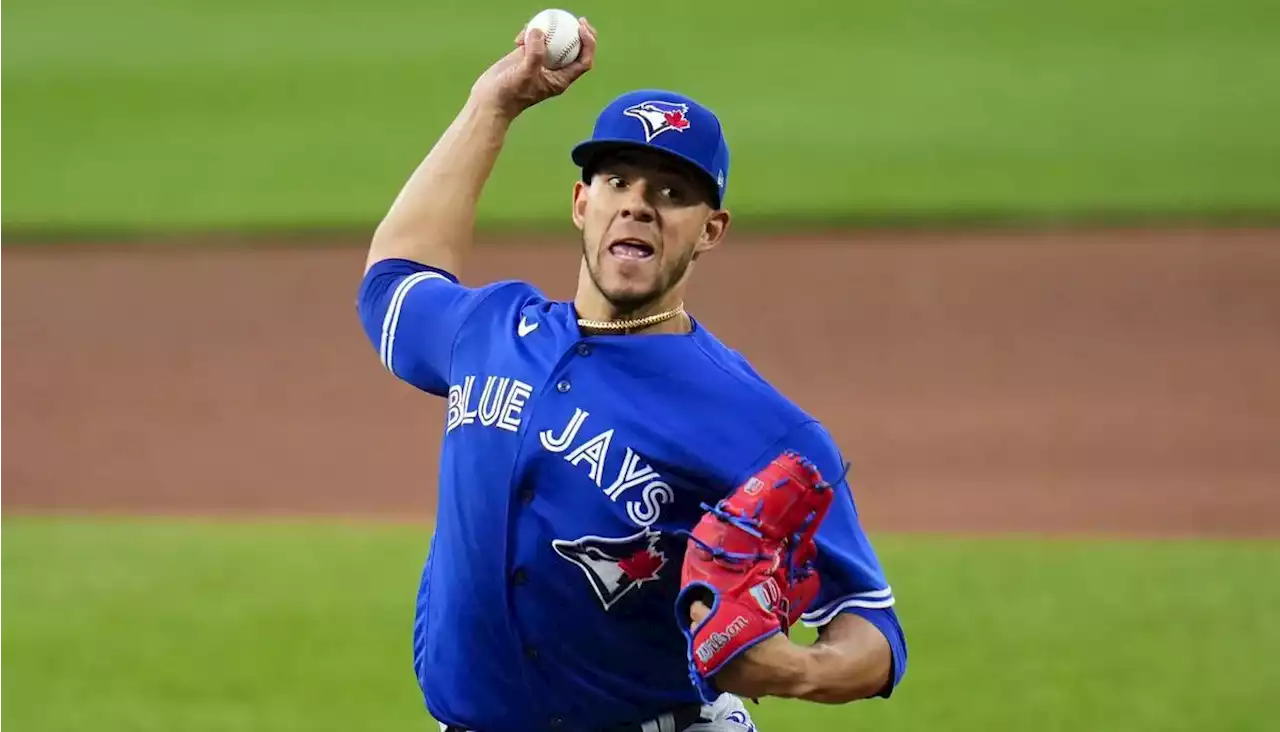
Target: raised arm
point(432, 219)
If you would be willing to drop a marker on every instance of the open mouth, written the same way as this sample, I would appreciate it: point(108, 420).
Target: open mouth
point(630, 249)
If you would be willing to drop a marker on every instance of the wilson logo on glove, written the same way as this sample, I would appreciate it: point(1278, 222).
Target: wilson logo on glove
point(750, 559)
point(719, 640)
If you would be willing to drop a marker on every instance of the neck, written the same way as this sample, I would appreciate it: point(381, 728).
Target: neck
point(607, 317)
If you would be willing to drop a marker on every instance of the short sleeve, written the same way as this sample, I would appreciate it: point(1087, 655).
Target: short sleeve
point(412, 314)
point(852, 578)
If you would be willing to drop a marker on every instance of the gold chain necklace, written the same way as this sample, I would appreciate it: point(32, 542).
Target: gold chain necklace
point(626, 326)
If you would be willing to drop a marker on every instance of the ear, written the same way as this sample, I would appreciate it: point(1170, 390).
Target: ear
point(580, 193)
point(713, 231)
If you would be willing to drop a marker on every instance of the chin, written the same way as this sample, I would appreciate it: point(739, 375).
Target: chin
point(630, 297)
point(627, 301)
point(630, 287)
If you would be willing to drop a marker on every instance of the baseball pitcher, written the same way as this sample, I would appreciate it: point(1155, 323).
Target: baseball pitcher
point(631, 519)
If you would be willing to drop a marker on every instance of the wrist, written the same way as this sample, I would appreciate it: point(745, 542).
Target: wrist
point(485, 108)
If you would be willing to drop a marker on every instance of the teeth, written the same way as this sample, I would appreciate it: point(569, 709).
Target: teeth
point(630, 250)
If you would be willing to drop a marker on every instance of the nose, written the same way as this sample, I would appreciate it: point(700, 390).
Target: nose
point(637, 205)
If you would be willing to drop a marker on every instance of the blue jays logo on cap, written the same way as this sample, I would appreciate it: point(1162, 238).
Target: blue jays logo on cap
point(666, 122)
point(659, 117)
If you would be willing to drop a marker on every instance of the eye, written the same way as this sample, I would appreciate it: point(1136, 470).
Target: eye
point(617, 181)
point(672, 193)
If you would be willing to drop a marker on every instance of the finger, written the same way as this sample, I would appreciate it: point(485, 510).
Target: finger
point(586, 56)
point(535, 45)
point(698, 611)
point(587, 34)
point(520, 37)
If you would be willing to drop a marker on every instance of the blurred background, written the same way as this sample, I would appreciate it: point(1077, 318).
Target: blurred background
point(1023, 258)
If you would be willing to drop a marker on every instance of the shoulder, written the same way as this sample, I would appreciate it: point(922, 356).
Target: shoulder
point(400, 279)
point(509, 295)
point(416, 315)
point(755, 391)
point(765, 421)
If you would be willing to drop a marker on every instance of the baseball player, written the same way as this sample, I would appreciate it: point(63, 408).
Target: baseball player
point(585, 440)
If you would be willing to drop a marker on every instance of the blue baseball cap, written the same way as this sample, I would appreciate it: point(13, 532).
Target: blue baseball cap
point(664, 121)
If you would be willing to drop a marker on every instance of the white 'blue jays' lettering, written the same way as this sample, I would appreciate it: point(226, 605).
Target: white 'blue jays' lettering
point(632, 472)
point(499, 404)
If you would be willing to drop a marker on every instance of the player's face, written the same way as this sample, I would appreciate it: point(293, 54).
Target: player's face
point(643, 221)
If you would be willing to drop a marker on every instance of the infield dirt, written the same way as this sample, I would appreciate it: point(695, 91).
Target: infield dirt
point(1096, 382)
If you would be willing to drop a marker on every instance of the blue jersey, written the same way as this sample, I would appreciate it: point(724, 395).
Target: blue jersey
point(568, 461)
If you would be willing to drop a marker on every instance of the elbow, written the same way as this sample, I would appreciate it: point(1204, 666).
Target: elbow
point(873, 681)
point(394, 238)
point(856, 659)
point(879, 681)
point(382, 245)
point(837, 698)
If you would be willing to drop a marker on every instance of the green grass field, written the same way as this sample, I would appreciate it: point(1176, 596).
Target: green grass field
point(184, 114)
point(144, 625)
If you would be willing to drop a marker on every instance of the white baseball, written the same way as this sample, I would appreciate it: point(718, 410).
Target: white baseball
point(560, 28)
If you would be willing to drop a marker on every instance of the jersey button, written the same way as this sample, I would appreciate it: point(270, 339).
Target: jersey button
point(584, 349)
point(531, 652)
point(519, 576)
point(556, 723)
point(563, 386)
point(526, 495)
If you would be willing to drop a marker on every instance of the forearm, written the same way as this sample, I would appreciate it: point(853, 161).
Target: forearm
point(850, 661)
point(432, 219)
point(840, 671)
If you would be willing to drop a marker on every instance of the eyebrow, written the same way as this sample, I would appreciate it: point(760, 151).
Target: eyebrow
point(660, 167)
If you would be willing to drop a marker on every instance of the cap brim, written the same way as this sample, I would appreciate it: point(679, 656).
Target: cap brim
point(585, 154)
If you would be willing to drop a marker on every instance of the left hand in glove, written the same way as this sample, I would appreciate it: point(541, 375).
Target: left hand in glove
point(750, 565)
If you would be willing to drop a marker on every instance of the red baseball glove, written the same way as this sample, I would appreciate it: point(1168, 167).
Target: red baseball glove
point(750, 559)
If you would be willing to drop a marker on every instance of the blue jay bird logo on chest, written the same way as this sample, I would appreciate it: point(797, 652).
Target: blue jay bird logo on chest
point(614, 567)
point(659, 117)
